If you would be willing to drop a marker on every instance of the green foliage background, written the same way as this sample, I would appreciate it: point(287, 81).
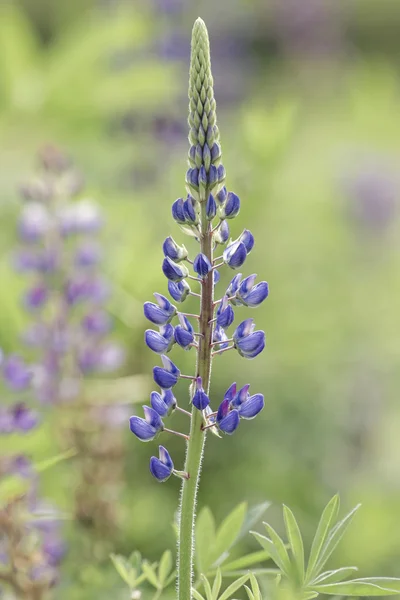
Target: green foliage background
point(84, 76)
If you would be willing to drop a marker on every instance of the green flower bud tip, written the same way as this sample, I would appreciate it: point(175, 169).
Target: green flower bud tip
point(203, 130)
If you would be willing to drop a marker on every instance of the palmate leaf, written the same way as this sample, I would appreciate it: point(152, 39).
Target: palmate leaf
point(296, 542)
point(207, 587)
point(165, 568)
point(328, 517)
point(368, 586)
point(333, 539)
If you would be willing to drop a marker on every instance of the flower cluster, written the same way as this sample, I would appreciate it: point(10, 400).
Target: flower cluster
point(31, 547)
point(206, 215)
point(60, 253)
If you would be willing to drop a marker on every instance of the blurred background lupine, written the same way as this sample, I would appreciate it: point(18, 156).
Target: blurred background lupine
point(31, 542)
point(307, 122)
point(69, 332)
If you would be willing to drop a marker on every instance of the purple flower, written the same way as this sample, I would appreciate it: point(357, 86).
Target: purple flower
point(202, 265)
point(222, 195)
point(87, 255)
point(161, 341)
point(225, 314)
point(163, 403)
point(184, 332)
point(179, 291)
point(221, 235)
point(16, 374)
point(97, 322)
point(234, 285)
point(160, 313)
point(148, 428)
point(24, 419)
point(211, 207)
point(230, 209)
point(219, 335)
point(249, 343)
point(227, 420)
point(250, 294)
point(248, 240)
point(36, 297)
point(251, 406)
point(161, 468)
point(200, 399)
point(191, 211)
point(235, 255)
point(178, 212)
point(168, 376)
point(173, 271)
point(173, 251)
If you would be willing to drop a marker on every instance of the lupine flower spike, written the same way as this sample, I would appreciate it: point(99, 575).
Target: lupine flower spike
point(203, 215)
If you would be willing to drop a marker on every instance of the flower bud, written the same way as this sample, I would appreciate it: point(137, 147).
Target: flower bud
point(225, 314)
point(161, 341)
point(202, 265)
point(222, 195)
point(173, 251)
point(161, 468)
point(178, 212)
point(168, 376)
point(148, 428)
point(249, 343)
point(230, 209)
point(173, 271)
point(211, 207)
point(184, 333)
point(221, 235)
point(200, 399)
point(235, 255)
point(160, 313)
point(179, 291)
point(163, 403)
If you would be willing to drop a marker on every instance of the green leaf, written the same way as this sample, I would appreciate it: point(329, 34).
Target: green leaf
point(246, 561)
point(269, 546)
point(334, 538)
point(207, 586)
point(234, 587)
point(217, 585)
point(124, 569)
point(335, 576)
point(249, 593)
point(255, 587)
point(369, 586)
point(54, 460)
point(196, 595)
point(165, 567)
point(150, 572)
point(228, 532)
point(253, 516)
point(205, 536)
point(328, 516)
point(309, 595)
point(295, 540)
point(281, 550)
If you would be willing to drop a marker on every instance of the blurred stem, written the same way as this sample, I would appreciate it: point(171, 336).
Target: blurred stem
point(195, 446)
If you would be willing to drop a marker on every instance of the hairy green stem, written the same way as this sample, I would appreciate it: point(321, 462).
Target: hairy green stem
point(195, 446)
